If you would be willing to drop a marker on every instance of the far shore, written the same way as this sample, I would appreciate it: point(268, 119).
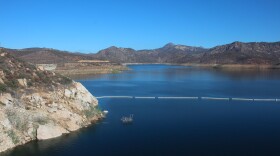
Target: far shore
point(217, 66)
point(118, 69)
point(235, 66)
point(91, 71)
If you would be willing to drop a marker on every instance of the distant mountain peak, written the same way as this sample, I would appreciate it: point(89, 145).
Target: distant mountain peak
point(170, 44)
point(113, 47)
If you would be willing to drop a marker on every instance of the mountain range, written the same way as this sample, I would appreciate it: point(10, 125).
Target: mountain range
point(233, 53)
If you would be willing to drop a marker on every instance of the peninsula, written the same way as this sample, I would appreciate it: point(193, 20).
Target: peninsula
point(36, 104)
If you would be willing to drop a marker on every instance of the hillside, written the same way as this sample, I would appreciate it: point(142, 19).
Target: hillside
point(170, 53)
point(244, 53)
point(47, 56)
point(234, 53)
point(37, 104)
point(254, 53)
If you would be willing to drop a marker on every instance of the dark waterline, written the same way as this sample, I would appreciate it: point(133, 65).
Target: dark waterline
point(176, 127)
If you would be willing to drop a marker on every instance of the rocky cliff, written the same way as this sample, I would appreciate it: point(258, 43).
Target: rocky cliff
point(37, 104)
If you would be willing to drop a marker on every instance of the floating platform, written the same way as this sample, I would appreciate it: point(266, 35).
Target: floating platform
point(127, 120)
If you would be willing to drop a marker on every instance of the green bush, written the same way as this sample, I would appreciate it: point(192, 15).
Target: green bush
point(2, 88)
point(18, 120)
point(46, 79)
point(25, 75)
point(13, 136)
point(92, 111)
point(41, 120)
point(65, 80)
point(12, 83)
point(29, 84)
point(115, 71)
point(40, 74)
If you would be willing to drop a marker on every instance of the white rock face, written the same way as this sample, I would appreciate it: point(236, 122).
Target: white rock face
point(6, 99)
point(1, 81)
point(49, 131)
point(22, 82)
point(45, 114)
point(67, 93)
point(84, 95)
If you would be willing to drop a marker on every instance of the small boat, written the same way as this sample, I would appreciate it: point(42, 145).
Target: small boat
point(105, 112)
point(127, 120)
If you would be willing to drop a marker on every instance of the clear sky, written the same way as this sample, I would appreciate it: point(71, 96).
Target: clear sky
point(91, 25)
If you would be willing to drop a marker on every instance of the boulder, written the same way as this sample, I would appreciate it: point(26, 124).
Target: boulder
point(67, 93)
point(40, 67)
point(6, 99)
point(3, 54)
point(22, 82)
point(49, 131)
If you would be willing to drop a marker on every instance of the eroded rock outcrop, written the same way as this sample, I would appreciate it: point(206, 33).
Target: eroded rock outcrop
point(36, 104)
point(45, 115)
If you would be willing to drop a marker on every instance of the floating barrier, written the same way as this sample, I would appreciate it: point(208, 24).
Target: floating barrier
point(137, 97)
point(241, 99)
point(264, 99)
point(194, 98)
point(188, 98)
point(119, 97)
point(213, 98)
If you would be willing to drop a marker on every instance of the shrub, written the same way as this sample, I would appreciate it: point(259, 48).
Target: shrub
point(115, 71)
point(21, 76)
point(6, 71)
point(18, 120)
point(24, 75)
point(92, 111)
point(65, 80)
point(12, 83)
point(2, 88)
point(13, 136)
point(2, 60)
point(46, 79)
point(41, 120)
point(29, 84)
point(40, 74)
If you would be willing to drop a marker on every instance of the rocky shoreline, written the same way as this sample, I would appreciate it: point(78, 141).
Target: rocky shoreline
point(36, 104)
point(48, 115)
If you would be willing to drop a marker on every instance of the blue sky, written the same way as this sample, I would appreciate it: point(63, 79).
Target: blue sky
point(91, 25)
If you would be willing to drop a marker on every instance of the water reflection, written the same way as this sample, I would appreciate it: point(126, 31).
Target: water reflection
point(51, 146)
point(176, 72)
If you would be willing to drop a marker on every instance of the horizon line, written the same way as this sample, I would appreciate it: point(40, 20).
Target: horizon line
point(80, 51)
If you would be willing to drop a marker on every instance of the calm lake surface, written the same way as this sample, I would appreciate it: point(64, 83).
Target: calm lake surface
point(174, 127)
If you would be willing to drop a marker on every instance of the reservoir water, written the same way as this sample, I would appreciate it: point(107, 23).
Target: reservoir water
point(171, 127)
